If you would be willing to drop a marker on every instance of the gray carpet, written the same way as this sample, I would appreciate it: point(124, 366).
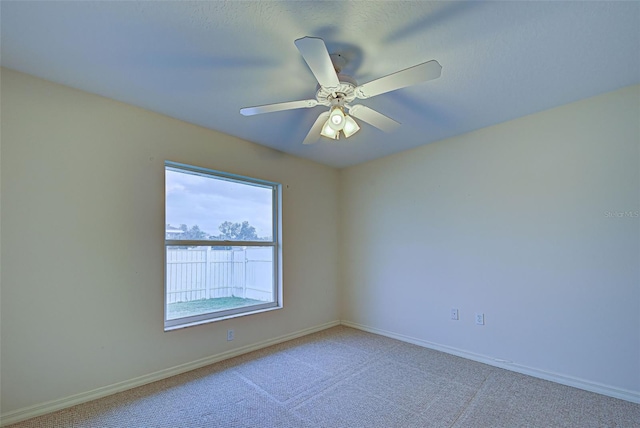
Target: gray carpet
point(342, 377)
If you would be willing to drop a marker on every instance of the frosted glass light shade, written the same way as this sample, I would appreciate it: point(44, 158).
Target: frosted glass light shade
point(328, 131)
point(350, 126)
point(336, 119)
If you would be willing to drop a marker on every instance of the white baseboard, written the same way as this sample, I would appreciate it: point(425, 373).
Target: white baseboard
point(598, 388)
point(83, 397)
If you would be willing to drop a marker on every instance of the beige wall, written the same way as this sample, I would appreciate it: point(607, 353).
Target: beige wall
point(518, 221)
point(82, 241)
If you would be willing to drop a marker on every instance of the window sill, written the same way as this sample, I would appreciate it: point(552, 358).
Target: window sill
point(210, 320)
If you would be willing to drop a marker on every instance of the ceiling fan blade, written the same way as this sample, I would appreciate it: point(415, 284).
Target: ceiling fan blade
point(373, 118)
point(315, 54)
point(401, 79)
point(314, 133)
point(268, 108)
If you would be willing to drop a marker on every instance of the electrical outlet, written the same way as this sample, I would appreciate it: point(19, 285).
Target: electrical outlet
point(480, 319)
point(230, 335)
point(454, 314)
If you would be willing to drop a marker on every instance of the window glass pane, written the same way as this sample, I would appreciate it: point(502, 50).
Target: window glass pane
point(205, 207)
point(204, 279)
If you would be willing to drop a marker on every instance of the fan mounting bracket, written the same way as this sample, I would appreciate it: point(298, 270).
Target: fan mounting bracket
point(338, 61)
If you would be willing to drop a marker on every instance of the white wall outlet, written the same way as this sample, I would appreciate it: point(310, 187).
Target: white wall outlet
point(454, 314)
point(230, 335)
point(480, 319)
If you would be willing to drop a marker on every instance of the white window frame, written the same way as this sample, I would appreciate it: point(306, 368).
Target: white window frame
point(275, 244)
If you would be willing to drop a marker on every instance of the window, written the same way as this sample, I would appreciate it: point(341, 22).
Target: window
point(222, 246)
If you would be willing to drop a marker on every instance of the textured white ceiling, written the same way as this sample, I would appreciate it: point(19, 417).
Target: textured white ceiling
point(202, 61)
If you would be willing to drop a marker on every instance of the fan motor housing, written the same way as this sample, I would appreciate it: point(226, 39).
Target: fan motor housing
point(343, 93)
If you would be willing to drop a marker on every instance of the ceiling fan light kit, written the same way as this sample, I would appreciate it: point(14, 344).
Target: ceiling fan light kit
point(337, 90)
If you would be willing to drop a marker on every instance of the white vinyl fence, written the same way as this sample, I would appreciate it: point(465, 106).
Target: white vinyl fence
point(206, 273)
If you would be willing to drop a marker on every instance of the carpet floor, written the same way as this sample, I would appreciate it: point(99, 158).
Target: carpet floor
point(343, 377)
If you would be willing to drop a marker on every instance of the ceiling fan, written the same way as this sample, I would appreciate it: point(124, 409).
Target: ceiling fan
point(337, 91)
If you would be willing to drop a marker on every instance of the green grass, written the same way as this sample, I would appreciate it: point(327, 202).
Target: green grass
point(203, 306)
